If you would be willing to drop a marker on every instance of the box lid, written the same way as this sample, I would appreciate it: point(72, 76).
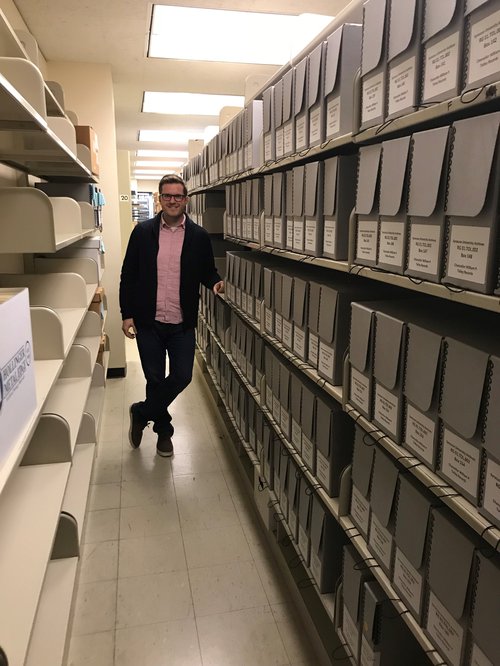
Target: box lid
point(288, 94)
point(427, 169)
point(318, 517)
point(384, 484)
point(389, 340)
point(300, 86)
point(289, 193)
point(459, 408)
point(403, 23)
point(294, 475)
point(373, 598)
point(449, 576)
point(305, 504)
point(284, 467)
point(308, 413)
point(486, 613)
point(330, 189)
point(268, 110)
point(412, 520)
point(332, 59)
point(472, 5)
point(438, 15)
point(298, 190)
point(257, 188)
point(278, 185)
point(284, 384)
point(258, 279)
point(295, 396)
point(312, 182)
point(278, 283)
point(315, 74)
point(314, 300)
point(362, 319)
point(492, 427)
point(471, 170)
point(268, 194)
point(373, 35)
point(368, 174)
point(268, 286)
point(355, 572)
point(422, 359)
point(278, 103)
point(362, 460)
point(287, 296)
point(327, 314)
point(300, 292)
point(324, 417)
point(393, 177)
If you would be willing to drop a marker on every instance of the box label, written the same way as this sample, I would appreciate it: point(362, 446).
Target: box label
point(303, 543)
point(268, 150)
point(332, 117)
point(326, 360)
point(386, 409)
point(285, 421)
point(402, 86)
point(256, 229)
point(381, 542)
point(313, 349)
point(391, 243)
point(287, 333)
point(296, 436)
point(329, 237)
point(491, 500)
point(373, 96)
point(484, 48)
point(278, 230)
point(298, 235)
point(299, 342)
point(460, 463)
point(315, 126)
point(288, 138)
point(268, 229)
point(258, 309)
point(425, 242)
point(445, 631)
point(289, 233)
point(244, 301)
point(360, 510)
point(360, 391)
point(315, 566)
point(366, 240)
point(408, 581)
point(292, 521)
point(300, 133)
point(284, 502)
point(307, 452)
point(278, 325)
point(468, 253)
point(351, 632)
point(238, 297)
point(441, 67)
point(276, 408)
point(280, 142)
point(268, 316)
point(323, 470)
point(420, 435)
point(311, 236)
point(478, 658)
point(368, 656)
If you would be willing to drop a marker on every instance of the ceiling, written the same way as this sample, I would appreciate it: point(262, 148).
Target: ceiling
point(116, 32)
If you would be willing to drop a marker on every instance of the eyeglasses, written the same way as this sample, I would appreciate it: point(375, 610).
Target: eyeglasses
point(173, 197)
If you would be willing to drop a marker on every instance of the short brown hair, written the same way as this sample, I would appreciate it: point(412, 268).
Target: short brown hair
point(172, 179)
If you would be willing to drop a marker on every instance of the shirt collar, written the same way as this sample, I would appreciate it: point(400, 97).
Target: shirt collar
point(164, 225)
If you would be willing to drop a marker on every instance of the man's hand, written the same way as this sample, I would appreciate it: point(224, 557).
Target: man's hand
point(218, 287)
point(126, 326)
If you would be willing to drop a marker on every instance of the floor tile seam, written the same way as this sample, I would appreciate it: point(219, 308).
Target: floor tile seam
point(149, 575)
point(235, 610)
point(227, 562)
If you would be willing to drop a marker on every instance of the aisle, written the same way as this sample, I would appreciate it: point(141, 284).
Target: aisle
point(175, 569)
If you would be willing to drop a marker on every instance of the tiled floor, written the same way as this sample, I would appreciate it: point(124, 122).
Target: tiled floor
point(175, 568)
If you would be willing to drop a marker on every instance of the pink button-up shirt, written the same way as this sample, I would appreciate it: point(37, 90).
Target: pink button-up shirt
point(168, 305)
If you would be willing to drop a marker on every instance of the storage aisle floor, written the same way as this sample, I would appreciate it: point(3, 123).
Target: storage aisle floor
point(175, 568)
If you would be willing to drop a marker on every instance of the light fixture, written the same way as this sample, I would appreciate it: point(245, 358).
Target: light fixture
point(159, 164)
point(231, 36)
point(162, 153)
point(146, 172)
point(189, 104)
point(170, 136)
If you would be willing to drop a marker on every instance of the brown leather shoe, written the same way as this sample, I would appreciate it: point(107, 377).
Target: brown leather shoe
point(164, 446)
point(137, 425)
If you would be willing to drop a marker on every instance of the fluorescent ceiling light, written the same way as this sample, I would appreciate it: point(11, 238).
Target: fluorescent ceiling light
point(170, 136)
point(209, 132)
point(162, 153)
point(230, 36)
point(189, 104)
point(159, 164)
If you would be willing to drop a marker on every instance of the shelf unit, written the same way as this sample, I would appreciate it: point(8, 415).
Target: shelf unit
point(45, 477)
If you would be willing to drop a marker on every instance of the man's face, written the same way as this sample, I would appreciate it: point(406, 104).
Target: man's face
point(169, 205)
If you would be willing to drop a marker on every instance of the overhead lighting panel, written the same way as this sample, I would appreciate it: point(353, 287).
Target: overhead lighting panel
point(189, 104)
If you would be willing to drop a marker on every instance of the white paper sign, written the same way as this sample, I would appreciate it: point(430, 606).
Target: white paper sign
point(268, 154)
point(441, 67)
point(332, 117)
point(289, 234)
point(366, 240)
point(299, 342)
point(287, 333)
point(315, 126)
point(278, 326)
point(386, 409)
point(373, 96)
point(268, 230)
point(296, 436)
point(368, 656)
point(276, 408)
point(269, 321)
point(326, 360)
point(298, 235)
point(468, 253)
point(445, 630)
point(315, 566)
point(310, 241)
point(280, 145)
point(289, 147)
point(491, 500)
point(285, 421)
point(329, 237)
point(256, 229)
point(313, 349)
point(307, 452)
point(323, 470)
point(402, 86)
point(303, 543)
point(460, 463)
point(484, 49)
point(420, 435)
point(391, 243)
point(360, 391)
point(351, 632)
point(360, 510)
point(278, 231)
point(408, 581)
point(300, 133)
point(381, 542)
point(425, 241)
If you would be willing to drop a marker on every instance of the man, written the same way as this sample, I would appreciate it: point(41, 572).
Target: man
point(167, 259)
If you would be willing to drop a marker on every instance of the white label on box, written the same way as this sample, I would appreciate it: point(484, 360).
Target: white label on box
point(249, 156)
point(360, 510)
point(386, 409)
point(484, 48)
point(381, 542)
point(284, 502)
point(278, 325)
point(268, 229)
point(256, 229)
point(332, 116)
point(269, 320)
point(360, 390)
point(445, 630)
point(268, 154)
point(408, 580)
point(425, 241)
point(310, 242)
point(278, 230)
point(441, 67)
point(468, 253)
point(326, 360)
point(366, 240)
point(373, 96)
point(300, 133)
point(323, 470)
point(244, 301)
point(351, 632)
point(292, 521)
point(315, 126)
point(329, 236)
point(296, 436)
point(288, 140)
point(315, 566)
point(285, 421)
point(368, 656)
point(402, 86)
point(420, 434)
point(303, 542)
point(287, 333)
point(460, 463)
point(298, 235)
point(307, 451)
point(258, 309)
point(280, 142)
point(478, 658)
point(276, 408)
point(299, 342)
point(238, 297)
point(313, 349)
point(391, 243)
point(491, 500)
point(251, 438)
point(289, 233)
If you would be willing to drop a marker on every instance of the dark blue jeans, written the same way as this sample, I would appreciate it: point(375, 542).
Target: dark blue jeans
point(154, 343)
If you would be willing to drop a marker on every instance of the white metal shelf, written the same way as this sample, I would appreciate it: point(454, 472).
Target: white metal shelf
point(75, 497)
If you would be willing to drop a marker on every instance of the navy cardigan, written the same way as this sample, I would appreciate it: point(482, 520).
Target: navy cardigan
point(139, 280)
